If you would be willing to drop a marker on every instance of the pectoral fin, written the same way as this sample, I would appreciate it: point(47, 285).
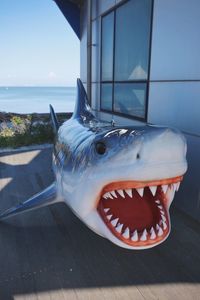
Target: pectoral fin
point(46, 197)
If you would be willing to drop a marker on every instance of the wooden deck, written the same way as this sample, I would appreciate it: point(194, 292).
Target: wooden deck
point(50, 254)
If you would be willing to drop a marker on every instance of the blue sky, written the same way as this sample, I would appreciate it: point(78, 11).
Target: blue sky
point(38, 46)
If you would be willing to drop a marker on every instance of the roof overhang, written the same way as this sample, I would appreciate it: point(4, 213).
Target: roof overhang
point(71, 11)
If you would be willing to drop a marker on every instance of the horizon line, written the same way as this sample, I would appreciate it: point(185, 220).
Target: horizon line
point(36, 86)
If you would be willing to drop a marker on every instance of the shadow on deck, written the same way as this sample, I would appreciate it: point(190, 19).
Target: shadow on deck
point(49, 254)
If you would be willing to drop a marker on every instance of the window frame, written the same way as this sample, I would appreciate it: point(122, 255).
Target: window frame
point(145, 81)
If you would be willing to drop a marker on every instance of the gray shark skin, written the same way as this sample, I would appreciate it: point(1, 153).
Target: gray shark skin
point(119, 180)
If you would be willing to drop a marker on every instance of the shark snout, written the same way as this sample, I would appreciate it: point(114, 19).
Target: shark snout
point(163, 146)
point(154, 153)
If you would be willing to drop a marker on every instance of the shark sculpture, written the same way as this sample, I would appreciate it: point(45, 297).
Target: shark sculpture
point(119, 180)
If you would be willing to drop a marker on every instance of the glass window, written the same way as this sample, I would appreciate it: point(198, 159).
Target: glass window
point(107, 46)
point(125, 42)
point(106, 96)
point(132, 40)
point(129, 99)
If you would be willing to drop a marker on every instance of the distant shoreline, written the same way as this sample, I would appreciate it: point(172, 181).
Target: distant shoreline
point(19, 130)
point(6, 116)
point(36, 86)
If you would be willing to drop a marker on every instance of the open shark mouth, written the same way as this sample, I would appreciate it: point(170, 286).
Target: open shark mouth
point(137, 212)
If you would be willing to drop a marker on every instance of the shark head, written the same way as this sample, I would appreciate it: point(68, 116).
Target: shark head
point(120, 181)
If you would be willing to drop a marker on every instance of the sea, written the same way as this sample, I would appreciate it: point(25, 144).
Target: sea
point(37, 99)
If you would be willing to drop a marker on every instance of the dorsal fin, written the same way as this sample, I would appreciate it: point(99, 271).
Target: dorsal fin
point(54, 119)
point(82, 108)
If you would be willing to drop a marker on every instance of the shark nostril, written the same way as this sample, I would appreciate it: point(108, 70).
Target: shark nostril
point(138, 156)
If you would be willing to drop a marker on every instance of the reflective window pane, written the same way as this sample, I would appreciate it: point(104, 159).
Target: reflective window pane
point(107, 46)
point(106, 96)
point(132, 40)
point(129, 98)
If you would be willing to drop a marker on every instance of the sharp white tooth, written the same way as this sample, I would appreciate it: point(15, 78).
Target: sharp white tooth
point(151, 230)
point(140, 191)
point(176, 186)
point(159, 229)
point(172, 187)
point(162, 212)
point(129, 192)
point(144, 236)
point(153, 234)
point(105, 196)
point(113, 194)
point(164, 188)
point(106, 209)
point(153, 189)
point(160, 232)
point(157, 201)
point(114, 222)
point(163, 218)
point(157, 226)
point(134, 237)
point(109, 217)
point(121, 192)
point(164, 225)
point(160, 207)
point(126, 233)
point(108, 195)
point(119, 228)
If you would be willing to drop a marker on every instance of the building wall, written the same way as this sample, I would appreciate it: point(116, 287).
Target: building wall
point(174, 93)
point(174, 88)
point(175, 65)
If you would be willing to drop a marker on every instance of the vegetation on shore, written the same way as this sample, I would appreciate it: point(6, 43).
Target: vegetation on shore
point(18, 130)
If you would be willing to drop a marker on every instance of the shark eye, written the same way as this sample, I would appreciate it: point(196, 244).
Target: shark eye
point(100, 148)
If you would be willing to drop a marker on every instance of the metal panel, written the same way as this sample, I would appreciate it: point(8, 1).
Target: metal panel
point(101, 6)
point(94, 9)
point(96, 50)
point(104, 5)
point(175, 104)
point(95, 96)
point(83, 44)
point(176, 42)
point(188, 198)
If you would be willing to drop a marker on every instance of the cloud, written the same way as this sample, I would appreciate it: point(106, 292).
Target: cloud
point(10, 76)
point(52, 75)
